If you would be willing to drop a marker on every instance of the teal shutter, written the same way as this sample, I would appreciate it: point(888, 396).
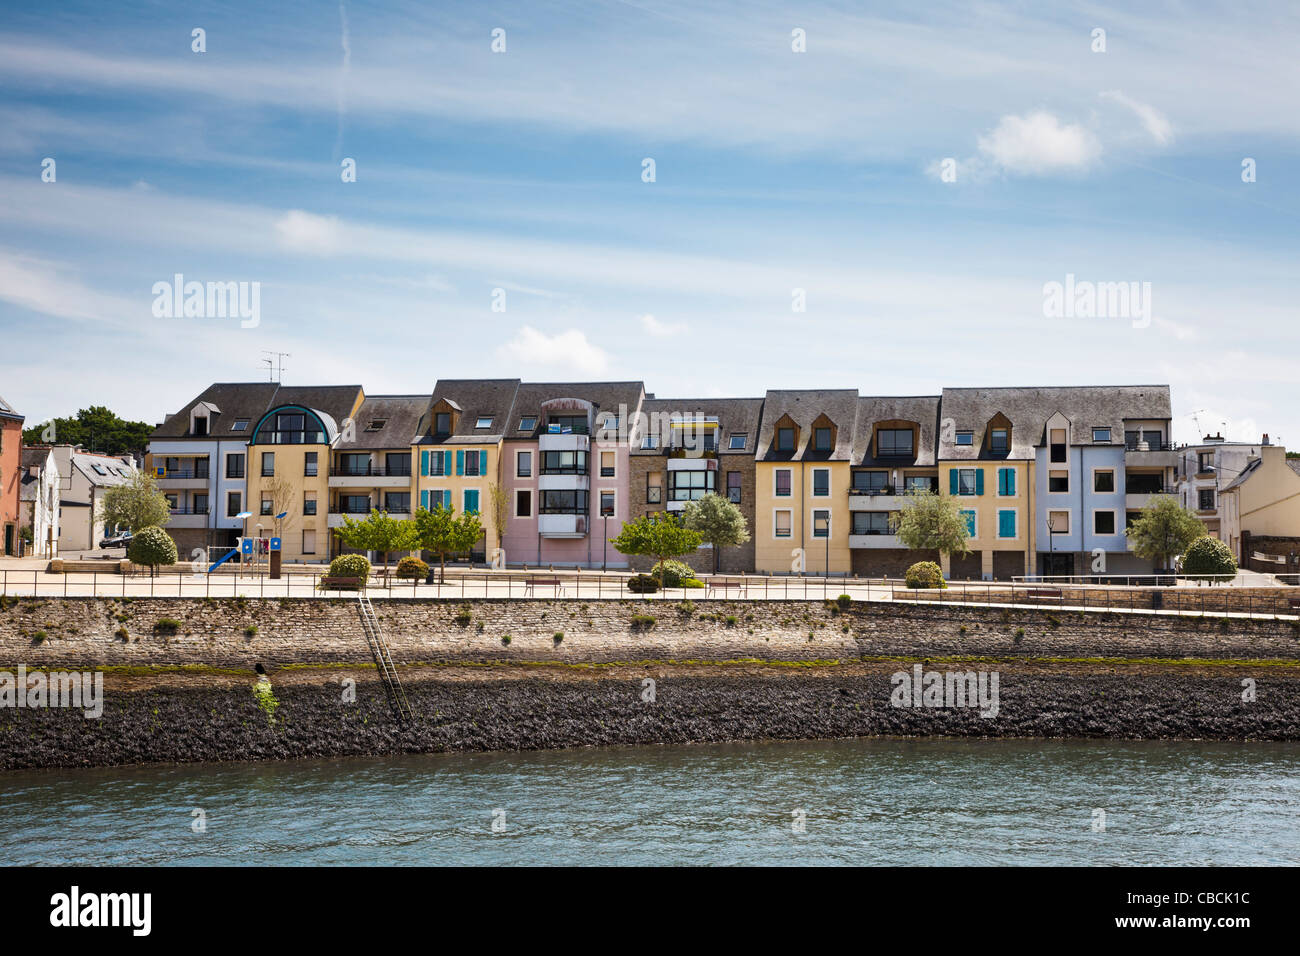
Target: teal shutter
point(979, 481)
point(970, 522)
point(952, 482)
point(424, 497)
point(446, 498)
point(460, 461)
point(1006, 524)
point(1011, 481)
point(446, 463)
point(424, 463)
point(471, 500)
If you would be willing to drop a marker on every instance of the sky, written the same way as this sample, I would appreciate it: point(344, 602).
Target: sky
point(843, 195)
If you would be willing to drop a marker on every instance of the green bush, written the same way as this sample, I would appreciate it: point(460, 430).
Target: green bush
point(463, 617)
point(642, 622)
point(844, 600)
point(692, 583)
point(1209, 559)
point(673, 574)
point(350, 566)
point(152, 547)
point(167, 625)
point(925, 574)
point(642, 584)
point(412, 567)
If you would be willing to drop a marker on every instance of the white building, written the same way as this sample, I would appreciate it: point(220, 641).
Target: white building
point(39, 499)
point(84, 478)
point(1204, 470)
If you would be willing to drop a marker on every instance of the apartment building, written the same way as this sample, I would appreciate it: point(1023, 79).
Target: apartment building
point(893, 453)
point(84, 480)
point(11, 443)
point(566, 472)
point(40, 499)
point(687, 448)
point(1259, 511)
point(1203, 470)
point(803, 465)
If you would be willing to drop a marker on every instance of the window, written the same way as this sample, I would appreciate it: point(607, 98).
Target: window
point(397, 502)
point(607, 504)
point(785, 439)
point(1000, 441)
point(1207, 499)
point(98, 469)
point(870, 482)
point(201, 425)
point(821, 482)
point(240, 425)
point(376, 424)
point(234, 503)
point(607, 464)
point(291, 429)
point(783, 482)
point(1006, 523)
point(968, 481)
point(268, 464)
point(654, 491)
point(650, 441)
point(611, 423)
point(972, 523)
point(1205, 461)
point(398, 463)
point(821, 524)
point(473, 459)
point(354, 504)
point(1058, 482)
point(1007, 483)
point(1057, 442)
point(894, 443)
point(483, 421)
point(200, 504)
point(524, 464)
point(822, 439)
point(309, 503)
point(234, 466)
point(1101, 434)
point(1103, 481)
point(523, 503)
point(737, 441)
point(781, 526)
point(733, 487)
point(566, 424)
point(171, 466)
point(564, 463)
point(1103, 522)
point(268, 506)
point(871, 522)
point(200, 467)
point(527, 423)
point(442, 423)
point(1130, 517)
point(354, 464)
point(563, 502)
point(438, 463)
point(965, 438)
point(920, 483)
point(690, 485)
point(309, 466)
point(309, 542)
point(172, 501)
point(1058, 522)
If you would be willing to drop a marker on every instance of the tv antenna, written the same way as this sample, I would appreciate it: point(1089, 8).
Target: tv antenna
point(274, 364)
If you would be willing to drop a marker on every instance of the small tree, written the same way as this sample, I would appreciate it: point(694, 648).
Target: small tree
point(930, 522)
point(153, 547)
point(379, 532)
point(659, 536)
point(1209, 559)
point(137, 504)
point(718, 522)
point(1163, 529)
point(443, 532)
point(498, 508)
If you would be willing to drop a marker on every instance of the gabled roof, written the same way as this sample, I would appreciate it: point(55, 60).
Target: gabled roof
point(1252, 466)
point(400, 415)
point(736, 416)
point(804, 406)
point(237, 400)
point(7, 411)
point(477, 398)
point(922, 409)
point(1293, 464)
point(115, 471)
point(1028, 409)
point(605, 396)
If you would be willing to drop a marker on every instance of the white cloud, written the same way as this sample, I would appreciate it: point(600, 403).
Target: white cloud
point(563, 351)
point(659, 329)
point(1155, 122)
point(45, 287)
point(307, 232)
point(1038, 143)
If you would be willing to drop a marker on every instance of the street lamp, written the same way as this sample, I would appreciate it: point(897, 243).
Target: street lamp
point(822, 527)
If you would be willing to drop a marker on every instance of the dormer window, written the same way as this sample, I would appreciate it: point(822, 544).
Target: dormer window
point(822, 439)
point(200, 424)
point(1000, 441)
point(376, 424)
point(894, 443)
point(785, 439)
point(442, 423)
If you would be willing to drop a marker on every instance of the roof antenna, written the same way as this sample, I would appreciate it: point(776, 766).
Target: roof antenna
point(274, 365)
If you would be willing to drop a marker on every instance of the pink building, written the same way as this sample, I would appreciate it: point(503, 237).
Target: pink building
point(565, 469)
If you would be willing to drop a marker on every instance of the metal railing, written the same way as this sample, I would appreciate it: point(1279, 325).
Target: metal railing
point(190, 511)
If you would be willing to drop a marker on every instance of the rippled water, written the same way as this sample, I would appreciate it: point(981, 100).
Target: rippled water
point(865, 801)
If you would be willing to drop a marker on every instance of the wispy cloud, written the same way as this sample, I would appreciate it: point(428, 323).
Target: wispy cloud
point(1155, 122)
point(1039, 143)
point(567, 351)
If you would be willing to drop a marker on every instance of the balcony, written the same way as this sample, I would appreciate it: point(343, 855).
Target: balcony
point(874, 539)
point(1138, 497)
point(189, 518)
point(571, 441)
point(179, 478)
point(1153, 453)
point(562, 525)
point(370, 476)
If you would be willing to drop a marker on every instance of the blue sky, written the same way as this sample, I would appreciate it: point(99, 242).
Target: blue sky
point(775, 170)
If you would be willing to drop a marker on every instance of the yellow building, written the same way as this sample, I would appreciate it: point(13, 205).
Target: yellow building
point(802, 479)
point(1264, 502)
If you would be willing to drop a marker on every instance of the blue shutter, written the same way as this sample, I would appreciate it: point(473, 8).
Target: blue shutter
point(1006, 524)
point(446, 498)
point(471, 500)
point(979, 481)
point(952, 481)
point(446, 462)
point(424, 463)
point(1011, 481)
point(424, 499)
point(970, 522)
point(460, 461)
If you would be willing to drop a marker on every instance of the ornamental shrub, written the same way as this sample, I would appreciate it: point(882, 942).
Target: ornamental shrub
point(642, 584)
point(925, 574)
point(1209, 559)
point(350, 566)
point(412, 567)
point(673, 574)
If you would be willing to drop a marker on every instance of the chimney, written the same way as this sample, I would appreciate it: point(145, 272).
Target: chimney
point(1265, 441)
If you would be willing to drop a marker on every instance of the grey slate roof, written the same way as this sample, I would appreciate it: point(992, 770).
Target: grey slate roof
point(1029, 409)
point(7, 411)
point(401, 415)
point(606, 396)
point(334, 401)
point(735, 416)
point(234, 399)
point(922, 409)
point(804, 406)
point(1293, 464)
point(1251, 467)
point(493, 397)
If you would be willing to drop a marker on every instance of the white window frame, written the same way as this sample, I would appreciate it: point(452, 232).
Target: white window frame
point(1069, 520)
point(532, 464)
point(478, 422)
point(783, 537)
point(775, 472)
point(606, 491)
point(1102, 428)
point(600, 468)
point(514, 504)
point(731, 441)
point(830, 523)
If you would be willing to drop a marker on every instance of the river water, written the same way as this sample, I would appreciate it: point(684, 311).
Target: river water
point(866, 801)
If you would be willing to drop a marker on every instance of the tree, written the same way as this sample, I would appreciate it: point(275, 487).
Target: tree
point(498, 508)
point(284, 498)
point(97, 429)
point(379, 532)
point(1163, 529)
point(1209, 559)
point(136, 504)
point(659, 536)
point(930, 522)
point(443, 533)
point(152, 546)
point(718, 522)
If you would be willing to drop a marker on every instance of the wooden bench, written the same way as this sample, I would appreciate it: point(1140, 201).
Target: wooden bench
point(1044, 592)
point(545, 582)
point(338, 584)
point(715, 584)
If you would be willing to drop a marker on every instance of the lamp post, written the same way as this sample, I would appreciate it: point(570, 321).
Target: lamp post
point(822, 525)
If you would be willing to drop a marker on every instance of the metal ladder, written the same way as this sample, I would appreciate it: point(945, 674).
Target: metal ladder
point(383, 660)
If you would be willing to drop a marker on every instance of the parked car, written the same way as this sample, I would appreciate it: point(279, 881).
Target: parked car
point(116, 541)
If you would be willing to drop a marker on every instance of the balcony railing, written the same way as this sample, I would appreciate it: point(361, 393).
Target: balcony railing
point(189, 511)
point(184, 473)
point(574, 470)
point(373, 470)
point(884, 490)
point(881, 531)
point(1147, 490)
point(1153, 444)
point(351, 510)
